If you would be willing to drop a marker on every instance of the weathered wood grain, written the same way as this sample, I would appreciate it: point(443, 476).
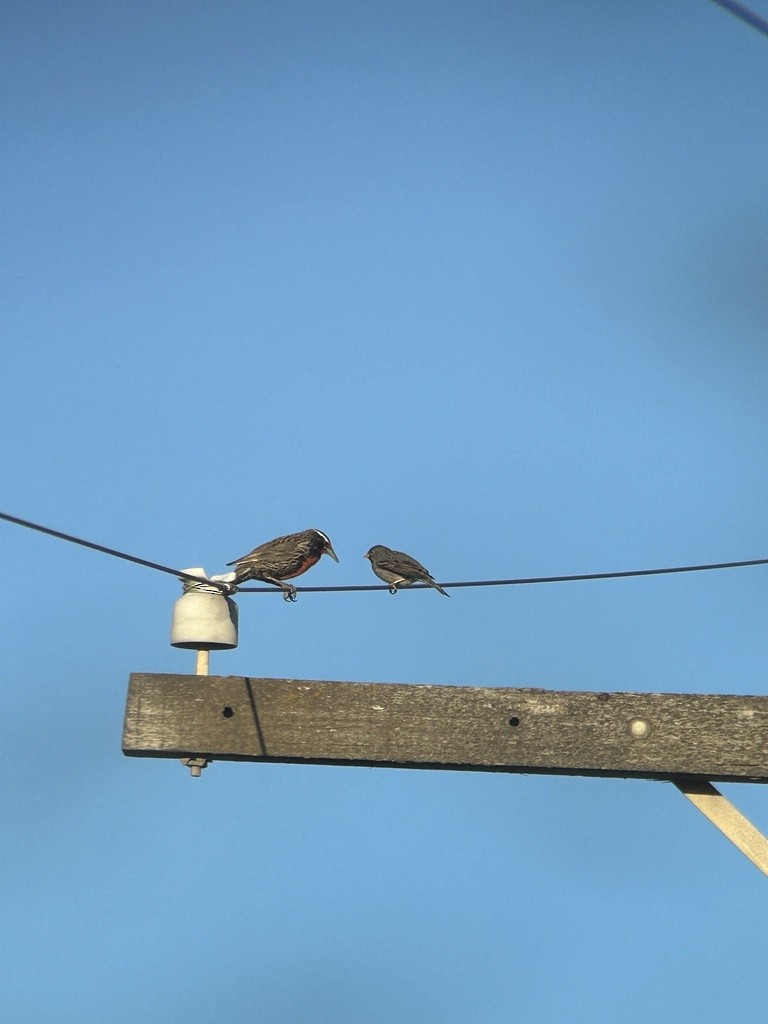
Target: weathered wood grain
point(642, 735)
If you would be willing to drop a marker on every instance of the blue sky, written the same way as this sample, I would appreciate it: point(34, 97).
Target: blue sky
point(484, 282)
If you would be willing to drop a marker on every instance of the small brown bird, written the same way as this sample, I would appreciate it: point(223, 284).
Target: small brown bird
point(283, 559)
point(398, 569)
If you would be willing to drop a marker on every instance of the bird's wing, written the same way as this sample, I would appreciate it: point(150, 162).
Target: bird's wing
point(270, 546)
point(398, 561)
point(242, 558)
point(256, 551)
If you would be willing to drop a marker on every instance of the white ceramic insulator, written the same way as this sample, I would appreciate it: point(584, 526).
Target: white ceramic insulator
point(204, 618)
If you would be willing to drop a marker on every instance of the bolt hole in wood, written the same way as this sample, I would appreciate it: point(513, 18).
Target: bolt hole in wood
point(228, 712)
point(514, 721)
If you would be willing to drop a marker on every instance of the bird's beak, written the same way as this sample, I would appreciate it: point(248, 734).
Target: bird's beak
point(329, 551)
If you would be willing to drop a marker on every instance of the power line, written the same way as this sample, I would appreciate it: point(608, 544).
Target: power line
point(740, 11)
point(110, 551)
point(537, 579)
point(227, 588)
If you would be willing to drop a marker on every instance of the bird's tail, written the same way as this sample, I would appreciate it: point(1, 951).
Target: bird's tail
point(437, 586)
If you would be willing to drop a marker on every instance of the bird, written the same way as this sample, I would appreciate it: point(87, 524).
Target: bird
point(283, 559)
point(398, 569)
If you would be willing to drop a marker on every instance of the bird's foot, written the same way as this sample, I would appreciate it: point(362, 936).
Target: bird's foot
point(289, 593)
point(393, 589)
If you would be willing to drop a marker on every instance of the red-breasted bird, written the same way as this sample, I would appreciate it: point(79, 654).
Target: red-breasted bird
point(283, 559)
point(398, 569)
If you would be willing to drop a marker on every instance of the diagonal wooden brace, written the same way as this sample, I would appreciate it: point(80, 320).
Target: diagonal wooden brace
point(731, 822)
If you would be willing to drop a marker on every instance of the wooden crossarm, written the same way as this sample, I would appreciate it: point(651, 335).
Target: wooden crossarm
point(633, 735)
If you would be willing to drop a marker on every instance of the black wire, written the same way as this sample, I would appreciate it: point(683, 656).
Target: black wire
point(532, 579)
point(753, 20)
point(226, 588)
